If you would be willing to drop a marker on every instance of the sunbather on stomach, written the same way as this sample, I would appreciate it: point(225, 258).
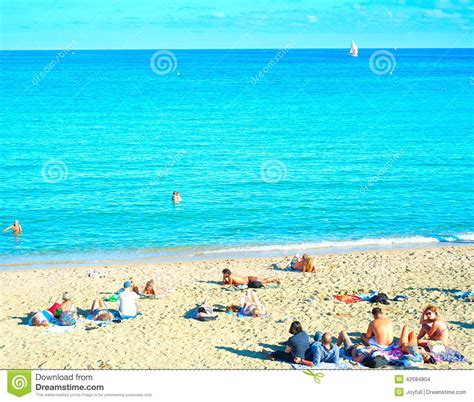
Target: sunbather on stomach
point(233, 279)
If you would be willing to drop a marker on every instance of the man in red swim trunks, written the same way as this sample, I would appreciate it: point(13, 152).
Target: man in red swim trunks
point(233, 279)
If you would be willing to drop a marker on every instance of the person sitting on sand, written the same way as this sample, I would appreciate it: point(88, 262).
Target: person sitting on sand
point(305, 264)
point(68, 314)
point(408, 344)
point(128, 301)
point(233, 279)
point(368, 356)
point(16, 227)
point(100, 312)
point(432, 326)
point(323, 350)
point(176, 197)
point(296, 346)
point(251, 305)
point(149, 288)
point(380, 331)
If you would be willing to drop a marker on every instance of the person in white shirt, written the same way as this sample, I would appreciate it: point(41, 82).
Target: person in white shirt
point(128, 301)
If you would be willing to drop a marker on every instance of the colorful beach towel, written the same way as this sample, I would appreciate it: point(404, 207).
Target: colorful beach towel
point(340, 365)
point(348, 299)
point(59, 329)
point(451, 356)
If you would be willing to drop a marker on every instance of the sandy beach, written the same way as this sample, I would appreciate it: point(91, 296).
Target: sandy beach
point(163, 337)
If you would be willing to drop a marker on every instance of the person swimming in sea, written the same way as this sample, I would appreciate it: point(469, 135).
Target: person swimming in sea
point(16, 227)
point(176, 197)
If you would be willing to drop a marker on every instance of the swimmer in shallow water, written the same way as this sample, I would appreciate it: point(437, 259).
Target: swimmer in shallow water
point(16, 227)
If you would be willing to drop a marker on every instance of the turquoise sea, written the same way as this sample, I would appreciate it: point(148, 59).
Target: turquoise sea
point(272, 150)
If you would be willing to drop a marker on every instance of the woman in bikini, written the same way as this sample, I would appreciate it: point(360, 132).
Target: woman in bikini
point(408, 344)
point(433, 327)
point(100, 312)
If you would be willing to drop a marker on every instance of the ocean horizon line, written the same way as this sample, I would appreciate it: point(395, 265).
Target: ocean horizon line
point(238, 49)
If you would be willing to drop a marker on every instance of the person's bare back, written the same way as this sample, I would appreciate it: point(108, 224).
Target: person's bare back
point(382, 329)
point(234, 279)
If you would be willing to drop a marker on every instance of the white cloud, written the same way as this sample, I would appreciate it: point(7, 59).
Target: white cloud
point(313, 19)
point(218, 14)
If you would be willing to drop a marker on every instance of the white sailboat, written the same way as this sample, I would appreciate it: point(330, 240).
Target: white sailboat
point(354, 52)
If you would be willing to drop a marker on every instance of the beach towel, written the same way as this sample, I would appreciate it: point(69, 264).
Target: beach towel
point(348, 299)
point(388, 348)
point(239, 315)
point(450, 355)
point(464, 295)
point(340, 365)
point(234, 288)
point(366, 296)
point(58, 329)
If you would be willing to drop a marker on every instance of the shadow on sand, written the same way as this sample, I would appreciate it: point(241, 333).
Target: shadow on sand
point(245, 353)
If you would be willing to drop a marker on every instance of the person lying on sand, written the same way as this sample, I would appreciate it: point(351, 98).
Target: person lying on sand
point(380, 331)
point(16, 227)
point(42, 318)
point(100, 312)
point(432, 326)
point(252, 305)
point(323, 350)
point(408, 344)
point(305, 264)
point(150, 288)
point(205, 313)
point(296, 346)
point(368, 356)
point(233, 279)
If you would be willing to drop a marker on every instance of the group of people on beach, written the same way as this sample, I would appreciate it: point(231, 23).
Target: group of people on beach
point(412, 348)
point(64, 312)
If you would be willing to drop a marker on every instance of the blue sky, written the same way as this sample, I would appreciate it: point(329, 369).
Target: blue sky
point(179, 24)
